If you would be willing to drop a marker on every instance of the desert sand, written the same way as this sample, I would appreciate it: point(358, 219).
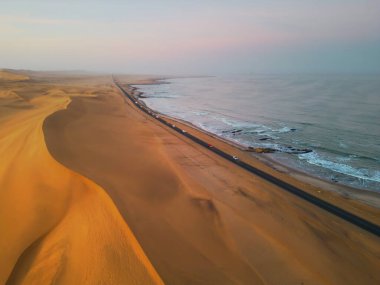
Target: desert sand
point(93, 191)
point(57, 226)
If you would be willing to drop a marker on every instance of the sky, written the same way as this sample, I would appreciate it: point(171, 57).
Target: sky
point(192, 37)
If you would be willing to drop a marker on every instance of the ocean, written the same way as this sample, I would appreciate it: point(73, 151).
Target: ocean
point(333, 119)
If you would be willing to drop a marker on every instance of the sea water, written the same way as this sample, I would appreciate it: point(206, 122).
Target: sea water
point(337, 117)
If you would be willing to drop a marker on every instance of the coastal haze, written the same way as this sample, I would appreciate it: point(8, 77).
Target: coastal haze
point(189, 142)
point(192, 37)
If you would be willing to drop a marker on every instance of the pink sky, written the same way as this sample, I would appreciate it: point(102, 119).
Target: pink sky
point(182, 37)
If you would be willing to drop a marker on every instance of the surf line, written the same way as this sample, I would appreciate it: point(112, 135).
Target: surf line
point(335, 210)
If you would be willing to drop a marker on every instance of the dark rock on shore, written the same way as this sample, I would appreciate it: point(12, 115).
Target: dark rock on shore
point(290, 150)
point(261, 149)
point(234, 131)
point(141, 95)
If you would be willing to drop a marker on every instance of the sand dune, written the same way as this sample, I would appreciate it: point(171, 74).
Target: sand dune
point(178, 212)
point(11, 76)
point(57, 226)
point(200, 219)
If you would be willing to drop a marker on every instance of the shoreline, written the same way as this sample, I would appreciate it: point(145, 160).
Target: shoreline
point(293, 182)
point(364, 195)
point(368, 196)
point(199, 218)
point(109, 194)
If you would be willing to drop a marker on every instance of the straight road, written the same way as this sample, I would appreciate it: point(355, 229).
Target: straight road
point(339, 212)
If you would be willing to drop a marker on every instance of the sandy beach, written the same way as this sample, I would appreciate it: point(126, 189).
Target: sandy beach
point(93, 191)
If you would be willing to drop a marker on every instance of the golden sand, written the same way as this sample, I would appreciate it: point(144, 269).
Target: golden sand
point(198, 218)
point(57, 226)
point(11, 76)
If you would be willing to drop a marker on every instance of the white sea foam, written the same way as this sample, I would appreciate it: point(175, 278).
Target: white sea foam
point(282, 112)
point(315, 159)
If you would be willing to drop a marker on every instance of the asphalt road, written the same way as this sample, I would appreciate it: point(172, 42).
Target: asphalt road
point(343, 214)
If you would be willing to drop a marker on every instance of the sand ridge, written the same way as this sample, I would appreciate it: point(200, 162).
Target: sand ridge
point(57, 226)
point(200, 219)
point(7, 75)
point(195, 218)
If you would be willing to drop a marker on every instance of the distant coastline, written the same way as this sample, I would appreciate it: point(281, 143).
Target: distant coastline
point(111, 191)
point(263, 144)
